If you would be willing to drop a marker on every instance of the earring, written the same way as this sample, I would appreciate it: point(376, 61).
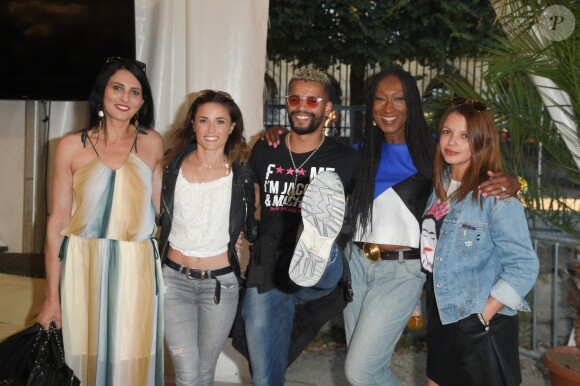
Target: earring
point(101, 115)
point(328, 121)
point(374, 124)
point(136, 120)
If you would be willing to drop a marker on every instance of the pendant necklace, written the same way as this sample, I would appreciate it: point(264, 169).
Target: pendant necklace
point(303, 163)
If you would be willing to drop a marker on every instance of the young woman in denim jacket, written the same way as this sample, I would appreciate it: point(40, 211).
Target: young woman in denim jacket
point(207, 200)
point(478, 255)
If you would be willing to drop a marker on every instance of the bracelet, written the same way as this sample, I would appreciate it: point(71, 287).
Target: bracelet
point(523, 189)
point(483, 321)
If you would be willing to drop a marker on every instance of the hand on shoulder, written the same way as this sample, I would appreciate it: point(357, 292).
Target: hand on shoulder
point(500, 185)
point(272, 135)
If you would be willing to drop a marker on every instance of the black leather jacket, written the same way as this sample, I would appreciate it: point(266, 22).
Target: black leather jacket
point(241, 208)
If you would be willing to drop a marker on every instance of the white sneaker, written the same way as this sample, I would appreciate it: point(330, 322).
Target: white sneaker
point(323, 207)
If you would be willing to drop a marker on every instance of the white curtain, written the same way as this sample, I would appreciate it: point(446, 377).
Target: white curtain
point(191, 45)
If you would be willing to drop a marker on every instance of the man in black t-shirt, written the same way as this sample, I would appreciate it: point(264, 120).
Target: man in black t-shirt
point(282, 312)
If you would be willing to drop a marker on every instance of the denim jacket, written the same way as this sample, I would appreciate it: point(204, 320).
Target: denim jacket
point(482, 252)
point(242, 206)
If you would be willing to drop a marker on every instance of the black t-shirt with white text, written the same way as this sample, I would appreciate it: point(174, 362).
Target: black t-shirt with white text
point(280, 200)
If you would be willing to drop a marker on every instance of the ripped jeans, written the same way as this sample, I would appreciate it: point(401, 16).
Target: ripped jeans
point(195, 327)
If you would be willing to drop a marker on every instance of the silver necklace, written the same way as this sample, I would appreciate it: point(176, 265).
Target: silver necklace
point(303, 163)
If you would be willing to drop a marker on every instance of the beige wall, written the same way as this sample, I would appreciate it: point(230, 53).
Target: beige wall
point(12, 114)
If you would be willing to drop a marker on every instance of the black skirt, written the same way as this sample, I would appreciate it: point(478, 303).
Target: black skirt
point(465, 354)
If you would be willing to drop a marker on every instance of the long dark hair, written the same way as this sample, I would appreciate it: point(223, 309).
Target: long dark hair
point(417, 137)
point(145, 113)
point(236, 148)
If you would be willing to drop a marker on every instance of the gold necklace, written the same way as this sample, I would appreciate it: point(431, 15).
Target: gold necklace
point(303, 163)
point(208, 167)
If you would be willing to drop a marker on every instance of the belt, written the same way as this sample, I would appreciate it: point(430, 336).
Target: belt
point(193, 274)
point(374, 253)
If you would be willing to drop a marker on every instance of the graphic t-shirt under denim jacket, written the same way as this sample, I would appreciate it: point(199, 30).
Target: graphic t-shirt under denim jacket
point(482, 252)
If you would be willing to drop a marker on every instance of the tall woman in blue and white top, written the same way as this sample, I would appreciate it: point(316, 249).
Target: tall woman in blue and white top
point(478, 255)
point(207, 200)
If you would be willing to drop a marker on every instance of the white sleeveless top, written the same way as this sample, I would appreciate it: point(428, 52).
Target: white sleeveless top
point(201, 216)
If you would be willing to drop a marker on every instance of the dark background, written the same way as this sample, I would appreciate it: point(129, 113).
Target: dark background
point(53, 49)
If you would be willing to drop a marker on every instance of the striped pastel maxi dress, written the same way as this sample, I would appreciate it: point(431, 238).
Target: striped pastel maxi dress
point(111, 278)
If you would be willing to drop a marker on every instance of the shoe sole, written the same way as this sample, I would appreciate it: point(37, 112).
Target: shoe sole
point(323, 207)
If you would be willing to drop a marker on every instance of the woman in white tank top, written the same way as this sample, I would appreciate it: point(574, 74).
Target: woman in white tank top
point(205, 200)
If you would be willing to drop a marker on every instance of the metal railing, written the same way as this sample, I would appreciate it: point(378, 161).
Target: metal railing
point(550, 323)
point(348, 119)
point(279, 73)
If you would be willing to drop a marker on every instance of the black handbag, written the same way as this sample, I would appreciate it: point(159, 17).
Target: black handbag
point(16, 355)
point(34, 357)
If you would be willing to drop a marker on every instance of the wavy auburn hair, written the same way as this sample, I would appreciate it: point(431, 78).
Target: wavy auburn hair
point(483, 139)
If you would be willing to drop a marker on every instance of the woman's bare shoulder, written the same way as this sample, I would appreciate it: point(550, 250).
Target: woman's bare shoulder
point(153, 136)
point(150, 147)
point(152, 141)
point(70, 143)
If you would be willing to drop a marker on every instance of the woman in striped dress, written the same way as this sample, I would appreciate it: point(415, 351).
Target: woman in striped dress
point(102, 267)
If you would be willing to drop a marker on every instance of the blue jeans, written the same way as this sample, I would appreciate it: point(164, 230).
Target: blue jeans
point(269, 318)
point(384, 296)
point(195, 327)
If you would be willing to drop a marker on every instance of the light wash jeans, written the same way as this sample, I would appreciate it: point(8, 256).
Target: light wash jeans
point(195, 327)
point(269, 317)
point(384, 296)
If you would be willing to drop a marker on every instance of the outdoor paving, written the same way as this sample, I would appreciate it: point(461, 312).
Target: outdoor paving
point(324, 366)
point(327, 369)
